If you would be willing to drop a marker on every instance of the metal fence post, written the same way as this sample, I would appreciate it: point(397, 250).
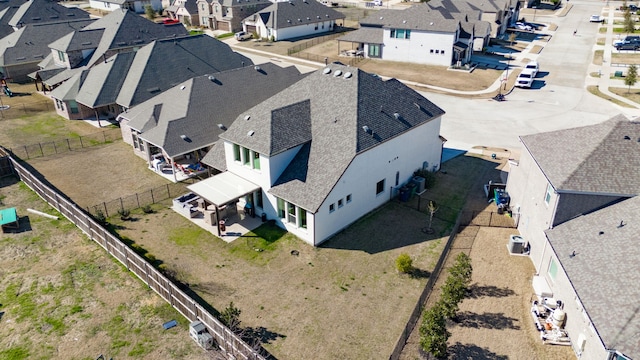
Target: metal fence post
point(81, 144)
point(68, 144)
point(106, 212)
point(41, 152)
point(153, 201)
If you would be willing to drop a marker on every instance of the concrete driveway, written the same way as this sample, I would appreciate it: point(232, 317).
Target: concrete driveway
point(558, 99)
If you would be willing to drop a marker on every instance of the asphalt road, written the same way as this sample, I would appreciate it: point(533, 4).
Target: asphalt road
point(558, 99)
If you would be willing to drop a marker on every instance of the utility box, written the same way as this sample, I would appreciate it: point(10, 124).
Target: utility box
point(199, 333)
point(420, 183)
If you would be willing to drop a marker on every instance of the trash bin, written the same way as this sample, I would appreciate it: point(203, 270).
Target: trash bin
point(404, 194)
point(248, 209)
point(263, 217)
point(223, 227)
point(412, 188)
point(617, 74)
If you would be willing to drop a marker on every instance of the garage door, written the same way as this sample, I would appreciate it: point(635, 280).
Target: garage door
point(251, 29)
point(222, 25)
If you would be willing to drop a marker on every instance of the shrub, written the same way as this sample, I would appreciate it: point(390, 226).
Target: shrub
point(124, 214)
point(99, 216)
point(404, 264)
point(147, 209)
point(230, 316)
point(433, 332)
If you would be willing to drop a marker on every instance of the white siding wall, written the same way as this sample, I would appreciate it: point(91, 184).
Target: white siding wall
point(405, 154)
point(57, 61)
point(418, 48)
point(303, 30)
point(577, 321)
point(527, 187)
point(101, 5)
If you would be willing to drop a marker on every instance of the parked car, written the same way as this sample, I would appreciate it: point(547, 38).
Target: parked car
point(525, 79)
point(170, 21)
point(533, 66)
point(596, 19)
point(242, 36)
point(523, 26)
point(627, 45)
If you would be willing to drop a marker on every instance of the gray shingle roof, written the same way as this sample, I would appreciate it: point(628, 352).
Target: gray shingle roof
point(69, 89)
point(604, 271)
point(78, 40)
point(7, 11)
point(235, 3)
point(325, 115)
point(163, 64)
point(291, 13)
point(366, 35)
point(44, 11)
point(125, 29)
point(594, 159)
point(104, 81)
point(418, 17)
point(196, 107)
point(30, 43)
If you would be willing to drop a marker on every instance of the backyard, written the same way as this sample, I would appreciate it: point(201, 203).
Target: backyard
point(62, 298)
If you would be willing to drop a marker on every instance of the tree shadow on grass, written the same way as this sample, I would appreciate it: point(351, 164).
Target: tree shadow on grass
point(262, 334)
point(477, 291)
point(470, 351)
point(487, 321)
point(419, 273)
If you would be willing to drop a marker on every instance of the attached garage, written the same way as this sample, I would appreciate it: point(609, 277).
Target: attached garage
point(223, 25)
point(252, 29)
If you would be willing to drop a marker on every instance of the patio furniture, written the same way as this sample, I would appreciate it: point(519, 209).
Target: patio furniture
point(9, 218)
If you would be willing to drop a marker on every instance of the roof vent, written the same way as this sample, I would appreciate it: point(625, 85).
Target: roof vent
point(431, 23)
point(300, 20)
point(250, 133)
point(626, 137)
point(289, 21)
point(417, 105)
point(337, 73)
point(182, 87)
point(222, 127)
point(308, 17)
point(381, 18)
point(257, 68)
point(317, 16)
point(347, 75)
point(326, 71)
point(247, 117)
point(366, 129)
point(212, 78)
point(621, 224)
point(404, 21)
point(185, 138)
point(396, 115)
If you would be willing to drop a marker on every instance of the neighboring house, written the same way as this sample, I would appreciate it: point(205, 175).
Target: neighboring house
point(119, 31)
point(326, 151)
point(499, 14)
point(571, 192)
point(130, 78)
point(184, 122)
point(292, 19)
point(138, 6)
point(23, 50)
point(419, 34)
point(7, 11)
point(44, 11)
point(185, 11)
point(227, 15)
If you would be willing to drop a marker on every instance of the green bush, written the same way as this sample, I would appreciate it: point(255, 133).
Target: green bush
point(99, 216)
point(404, 264)
point(433, 332)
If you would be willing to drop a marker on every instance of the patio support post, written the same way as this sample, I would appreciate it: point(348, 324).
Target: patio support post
point(217, 220)
point(173, 169)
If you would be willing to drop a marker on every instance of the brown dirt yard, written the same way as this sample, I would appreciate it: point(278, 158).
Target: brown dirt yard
point(62, 298)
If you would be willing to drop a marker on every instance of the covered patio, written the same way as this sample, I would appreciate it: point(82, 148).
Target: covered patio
point(222, 203)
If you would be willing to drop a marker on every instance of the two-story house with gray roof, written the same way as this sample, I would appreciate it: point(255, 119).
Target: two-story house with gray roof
point(45, 11)
point(227, 15)
point(137, 6)
point(185, 11)
point(185, 121)
point(327, 150)
point(293, 19)
point(24, 49)
point(574, 193)
point(130, 78)
point(419, 34)
point(117, 32)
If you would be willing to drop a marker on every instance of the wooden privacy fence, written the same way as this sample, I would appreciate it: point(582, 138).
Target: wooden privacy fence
point(417, 311)
point(37, 150)
point(138, 200)
point(228, 341)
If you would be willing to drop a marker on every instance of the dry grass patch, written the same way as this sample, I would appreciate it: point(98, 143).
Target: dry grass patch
point(596, 91)
point(63, 297)
point(631, 94)
point(598, 57)
point(625, 58)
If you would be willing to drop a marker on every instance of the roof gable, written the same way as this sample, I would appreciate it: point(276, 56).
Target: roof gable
point(44, 11)
point(418, 17)
point(596, 159)
point(291, 13)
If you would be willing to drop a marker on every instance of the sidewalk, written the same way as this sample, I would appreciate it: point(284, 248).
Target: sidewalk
point(604, 82)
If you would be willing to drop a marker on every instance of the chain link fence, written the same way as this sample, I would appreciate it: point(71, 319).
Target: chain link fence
point(138, 200)
point(25, 109)
point(42, 149)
